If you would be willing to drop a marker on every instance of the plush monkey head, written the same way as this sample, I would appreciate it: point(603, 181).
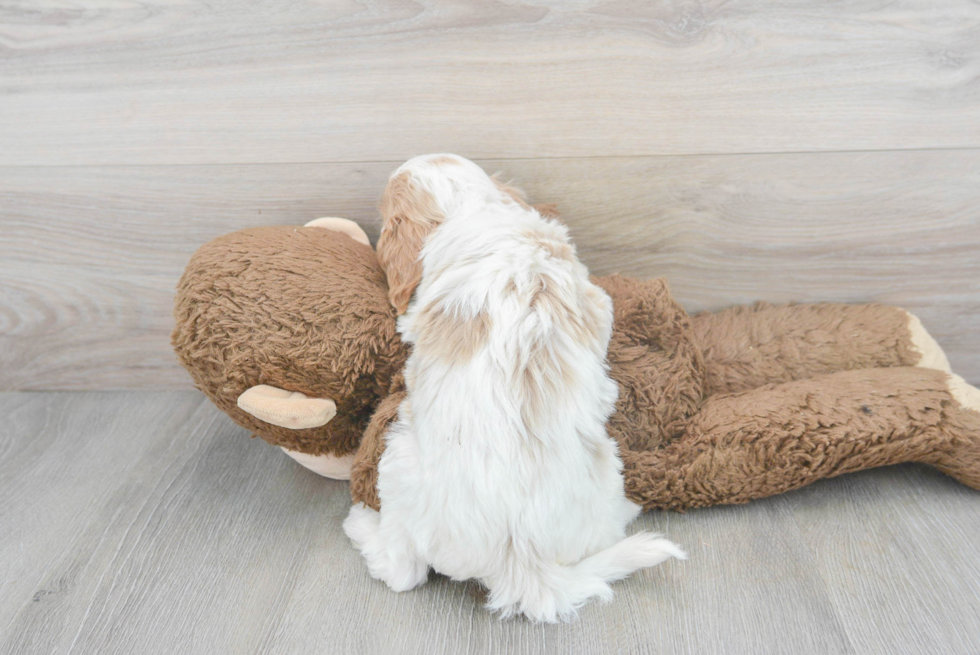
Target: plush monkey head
point(303, 310)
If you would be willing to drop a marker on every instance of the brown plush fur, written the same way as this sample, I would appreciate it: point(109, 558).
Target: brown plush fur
point(747, 347)
point(719, 408)
point(364, 473)
point(780, 437)
point(303, 309)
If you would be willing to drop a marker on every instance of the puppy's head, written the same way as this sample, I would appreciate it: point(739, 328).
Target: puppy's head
point(419, 196)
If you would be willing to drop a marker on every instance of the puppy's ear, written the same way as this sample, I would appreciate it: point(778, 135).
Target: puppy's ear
point(410, 214)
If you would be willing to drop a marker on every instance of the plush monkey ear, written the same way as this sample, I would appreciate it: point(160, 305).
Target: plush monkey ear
point(410, 214)
point(342, 225)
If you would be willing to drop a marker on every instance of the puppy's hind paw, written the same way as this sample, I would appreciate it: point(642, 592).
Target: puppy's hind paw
point(361, 525)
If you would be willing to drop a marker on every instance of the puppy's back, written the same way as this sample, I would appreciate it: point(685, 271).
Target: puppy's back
point(509, 395)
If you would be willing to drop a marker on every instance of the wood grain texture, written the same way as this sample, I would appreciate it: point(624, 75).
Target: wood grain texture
point(161, 82)
point(901, 520)
point(145, 522)
point(89, 256)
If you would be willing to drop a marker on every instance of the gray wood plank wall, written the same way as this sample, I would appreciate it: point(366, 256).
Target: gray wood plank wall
point(744, 150)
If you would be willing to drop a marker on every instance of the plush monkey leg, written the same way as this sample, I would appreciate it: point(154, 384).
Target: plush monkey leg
point(780, 437)
point(746, 347)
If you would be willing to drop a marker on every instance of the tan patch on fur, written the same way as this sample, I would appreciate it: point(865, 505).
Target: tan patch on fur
point(410, 214)
point(547, 371)
point(450, 338)
point(557, 248)
point(545, 374)
point(582, 322)
point(598, 451)
point(440, 161)
point(548, 210)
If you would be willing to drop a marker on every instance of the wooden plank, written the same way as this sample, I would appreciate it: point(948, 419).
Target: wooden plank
point(209, 542)
point(190, 82)
point(166, 551)
point(146, 522)
point(68, 461)
point(714, 602)
point(89, 256)
point(886, 535)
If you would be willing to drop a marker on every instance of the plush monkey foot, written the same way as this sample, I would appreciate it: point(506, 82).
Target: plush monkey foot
point(932, 356)
point(967, 395)
point(287, 409)
point(736, 449)
point(963, 460)
point(963, 463)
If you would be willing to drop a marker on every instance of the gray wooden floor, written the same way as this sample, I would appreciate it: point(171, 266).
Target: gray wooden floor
point(146, 522)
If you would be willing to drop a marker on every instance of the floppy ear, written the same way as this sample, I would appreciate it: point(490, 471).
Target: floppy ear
point(410, 214)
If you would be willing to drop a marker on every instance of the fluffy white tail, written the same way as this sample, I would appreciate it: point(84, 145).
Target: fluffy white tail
point(552, 592)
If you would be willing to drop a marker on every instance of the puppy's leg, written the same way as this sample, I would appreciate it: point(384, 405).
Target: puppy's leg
point(383, 538)
point(389, 553)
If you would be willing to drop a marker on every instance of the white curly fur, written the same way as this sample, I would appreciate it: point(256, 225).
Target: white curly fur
point(499, 466)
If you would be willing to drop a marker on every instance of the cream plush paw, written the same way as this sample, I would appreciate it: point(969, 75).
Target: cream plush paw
point(932, 356)
point(962, 460)
point(967, 395)
point(336, 467)
point(345, 225)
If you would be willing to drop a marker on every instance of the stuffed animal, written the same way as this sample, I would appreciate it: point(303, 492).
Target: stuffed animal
point(289, 330)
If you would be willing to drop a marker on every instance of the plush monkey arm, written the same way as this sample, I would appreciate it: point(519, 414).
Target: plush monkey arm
point(747, 347)
point(364, 474)
point(655, 361)
point(779, 437)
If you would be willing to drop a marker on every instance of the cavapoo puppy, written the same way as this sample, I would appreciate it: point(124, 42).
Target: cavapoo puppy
point(498, 466)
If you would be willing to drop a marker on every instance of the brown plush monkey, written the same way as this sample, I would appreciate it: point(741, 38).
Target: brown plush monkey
point(290, 332)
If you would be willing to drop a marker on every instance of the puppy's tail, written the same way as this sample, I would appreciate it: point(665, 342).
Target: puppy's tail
point(555, 592)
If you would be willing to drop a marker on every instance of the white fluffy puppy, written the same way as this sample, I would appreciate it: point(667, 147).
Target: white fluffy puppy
point(498, 466)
